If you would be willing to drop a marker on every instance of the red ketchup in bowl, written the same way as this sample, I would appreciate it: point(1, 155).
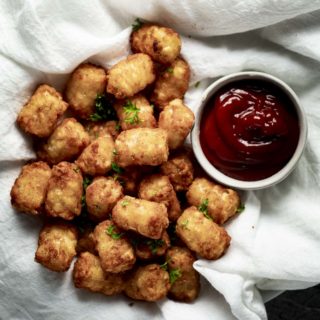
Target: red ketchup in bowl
point(249, 130)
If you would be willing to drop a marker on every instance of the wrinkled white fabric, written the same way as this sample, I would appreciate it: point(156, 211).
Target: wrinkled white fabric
point(275, 241)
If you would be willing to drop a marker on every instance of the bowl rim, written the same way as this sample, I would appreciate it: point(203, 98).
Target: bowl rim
point(218, 175)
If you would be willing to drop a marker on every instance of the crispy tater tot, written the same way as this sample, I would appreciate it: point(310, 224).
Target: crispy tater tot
point(158, 188)
point(40, 114)
point(135, 112)
point(86, 242)
point(29, 189)
point(222, 202)
point(97, 157)
point(172, 83)
point(180, 171)
point(66, 142)
point(88, 274)
point(99, 129)
point(187, 284)
point(101, 196)
point(148, 283)
point(147, 249)
point(130, 76)
point(64, 191)
point(115, 251)
point(177, 119)
point(141, 146)
point(201, 234)
point(57, 246)
point(86, 82)
point(147, 218)
point(161, 43)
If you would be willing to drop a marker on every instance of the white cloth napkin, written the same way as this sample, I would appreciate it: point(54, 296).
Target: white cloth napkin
point(275, 241)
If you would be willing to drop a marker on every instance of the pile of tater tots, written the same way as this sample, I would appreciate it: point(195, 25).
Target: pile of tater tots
point(113, 182)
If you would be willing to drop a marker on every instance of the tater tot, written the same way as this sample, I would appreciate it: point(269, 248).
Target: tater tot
point(161, 43)
point(86, 82)
point(66, 142)
point(97, 157)
point(201, 234)
point(40, 114)
point(29, 189)
point(177, 119)
point(187, 284)
point(135, 112)
point(99, 129)
point(148, 283)
point(172, 83)
point(222, 202)
point(86, 242)
point(158, 188)
point(141, 146)
point(147, 218)
point(101, 196)
point(115, 251)
point(180, 171)
point(147, 249)
point(57, 246)
point(130, 76)
point(88, 274)
point(64, 191)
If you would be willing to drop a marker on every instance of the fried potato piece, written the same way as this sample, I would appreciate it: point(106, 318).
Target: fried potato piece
point(84, 84)
point(135, 112)
point(177, 119)
point(57, 246)
point(64, 191)
point(187, 285)
point(141, 146)
point(99, 129)
point(40, 114)
point(147, 249)
point(148, 283)
point(101, 196)
point(172, 84)
point(86, 242)
point(201, 234)
point(180, 171)
point(29, 189)
point(115, 251)
point(88, 274)
point(96, 158)
point(158, 188)
point(160, 43)
point(147, 218)
point(131, 75)
point(222, 202)
point(66, 142)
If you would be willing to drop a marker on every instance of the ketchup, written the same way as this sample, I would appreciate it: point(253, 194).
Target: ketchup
point(249, 130)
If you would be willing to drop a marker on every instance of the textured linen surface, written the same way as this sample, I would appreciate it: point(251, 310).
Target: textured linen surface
point(275, 241)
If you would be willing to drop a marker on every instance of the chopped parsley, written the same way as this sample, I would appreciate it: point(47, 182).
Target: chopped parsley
point(184, 224)
point(174, 275)
point(86, 182)
point(103, 109)
point(132, 112)
point(137, 24)
point(204, 208)
point(114, 235)
point(124, 203)
point(169, 70)
point(116, 168)
point(164, 266)
point(118, 127)
point(154, 245)
point(240, 208)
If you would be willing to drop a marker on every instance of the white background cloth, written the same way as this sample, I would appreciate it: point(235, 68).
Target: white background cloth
point(275, 241)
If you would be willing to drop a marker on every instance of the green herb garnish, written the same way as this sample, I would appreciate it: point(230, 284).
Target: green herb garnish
point(124, 203)
point(86, 182)
point(137, 24)
point(132, 112)
point(103, 109)
point(240, 208)
point(116, 168)
point(204, 208)
point(118, 127)
point(174, 275)
point(110, 232)
point(164, 266)
point(169, 70)
point(184, 224)
point(154, 245)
